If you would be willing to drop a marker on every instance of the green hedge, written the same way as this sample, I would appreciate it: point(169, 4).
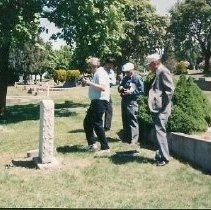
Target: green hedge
point(63, 75)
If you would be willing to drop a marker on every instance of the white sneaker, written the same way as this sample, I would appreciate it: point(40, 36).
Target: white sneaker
point(93, 147)
point(103, 153)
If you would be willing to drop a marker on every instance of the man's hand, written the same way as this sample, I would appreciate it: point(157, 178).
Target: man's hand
point(126, 92)
point(85, 81)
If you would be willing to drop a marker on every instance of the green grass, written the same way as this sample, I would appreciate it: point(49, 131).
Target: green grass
point(82, 180)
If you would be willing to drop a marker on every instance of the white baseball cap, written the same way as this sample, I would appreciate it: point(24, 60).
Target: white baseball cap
point(151, 58)
point(128, 67)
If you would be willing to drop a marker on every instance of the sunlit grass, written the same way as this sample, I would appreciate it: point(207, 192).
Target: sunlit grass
point(82, 180)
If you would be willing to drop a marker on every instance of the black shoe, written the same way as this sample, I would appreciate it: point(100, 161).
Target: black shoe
point(107, 129)
point(161, 163)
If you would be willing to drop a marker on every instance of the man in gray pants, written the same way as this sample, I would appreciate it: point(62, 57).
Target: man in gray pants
point(130, 88)
point(159, 102)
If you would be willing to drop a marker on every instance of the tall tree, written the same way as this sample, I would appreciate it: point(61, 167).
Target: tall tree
point(32, 58)
point(191, 26)
point(144, 30)
point(92, 27)
point(18, 22)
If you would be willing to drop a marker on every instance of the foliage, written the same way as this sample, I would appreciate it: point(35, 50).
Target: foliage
point(60, 75)
point(181, 68)
point(191, 28)
point(190, 108)
point(91, 27)
point(32, 58)
point(19, 21)
point(62, 58)
point(148, 79)
point(144, 30)
point(73, 74)
point(144, 115)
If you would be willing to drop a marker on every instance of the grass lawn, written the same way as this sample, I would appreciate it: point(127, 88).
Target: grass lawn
point(82, 180)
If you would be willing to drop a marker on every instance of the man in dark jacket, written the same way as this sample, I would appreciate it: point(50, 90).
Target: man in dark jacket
point(130, 88)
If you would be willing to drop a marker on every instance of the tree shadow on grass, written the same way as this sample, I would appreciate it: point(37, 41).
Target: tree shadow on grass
point(70, 104)
point(72, 149)
point(77, 131)
point(130, 156)
point(25, 112)
point(111, 140)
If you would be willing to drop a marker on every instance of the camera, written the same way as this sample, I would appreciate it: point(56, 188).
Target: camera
point(125, 87)
point(82, 78)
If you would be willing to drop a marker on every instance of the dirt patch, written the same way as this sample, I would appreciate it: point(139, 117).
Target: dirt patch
point(28, 167)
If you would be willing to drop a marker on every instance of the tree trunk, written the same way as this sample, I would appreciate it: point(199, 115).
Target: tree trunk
point(4, 59)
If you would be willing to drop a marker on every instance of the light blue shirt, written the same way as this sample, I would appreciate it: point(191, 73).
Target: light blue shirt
point(100, 77)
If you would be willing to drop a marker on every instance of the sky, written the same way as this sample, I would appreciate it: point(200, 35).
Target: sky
point(162, 8)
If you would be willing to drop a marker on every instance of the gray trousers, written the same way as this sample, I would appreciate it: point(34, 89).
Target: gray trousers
point(160, 121)
point(130, 121)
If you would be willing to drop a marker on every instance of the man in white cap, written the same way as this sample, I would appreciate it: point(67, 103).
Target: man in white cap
point(99, 94)
point(159, 102)
point(130, 88)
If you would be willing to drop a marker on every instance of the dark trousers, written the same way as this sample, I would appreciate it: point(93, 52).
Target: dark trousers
point(94, 122)
point(108, 115)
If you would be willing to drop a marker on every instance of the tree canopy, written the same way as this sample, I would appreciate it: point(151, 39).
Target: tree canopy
point(18, 22)
point(92, 27)
point(191, 26)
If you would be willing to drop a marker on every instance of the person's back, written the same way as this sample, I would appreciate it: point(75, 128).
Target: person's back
point(109, 65)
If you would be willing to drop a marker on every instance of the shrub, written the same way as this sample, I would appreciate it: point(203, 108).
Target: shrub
point(73, 74)
point(148, 82)
point(60, 75)
point(181, 68)
point(144, 116)
point(190, 111)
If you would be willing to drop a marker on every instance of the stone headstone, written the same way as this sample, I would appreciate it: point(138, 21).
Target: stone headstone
point(46, 135)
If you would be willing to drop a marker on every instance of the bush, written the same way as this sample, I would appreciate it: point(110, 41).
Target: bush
point(144, 116)
point(181, 68)
point(60, 75)
point(190, 111)
point(148, 82)
point(73, 74)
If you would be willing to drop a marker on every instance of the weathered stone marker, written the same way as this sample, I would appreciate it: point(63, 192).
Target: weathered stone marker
point(46, 136)
point(44, 158)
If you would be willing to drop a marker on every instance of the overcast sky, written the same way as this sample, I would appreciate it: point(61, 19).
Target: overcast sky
point(162, 7)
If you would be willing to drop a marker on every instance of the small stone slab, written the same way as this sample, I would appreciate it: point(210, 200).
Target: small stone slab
point(43, 166)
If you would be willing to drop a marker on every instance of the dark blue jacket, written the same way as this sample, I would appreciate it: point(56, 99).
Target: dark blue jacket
point(135, 81)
